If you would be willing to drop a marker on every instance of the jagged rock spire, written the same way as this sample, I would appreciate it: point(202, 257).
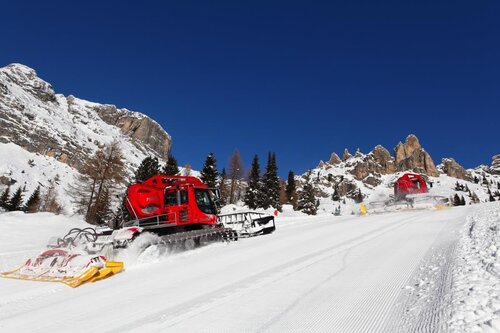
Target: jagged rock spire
point(334, 159)
point(346, 155)
point(411, 156)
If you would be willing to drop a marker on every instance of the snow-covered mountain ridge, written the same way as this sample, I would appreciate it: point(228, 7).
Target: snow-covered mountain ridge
point(374, 174)
point(45, 137)
point(70, 129)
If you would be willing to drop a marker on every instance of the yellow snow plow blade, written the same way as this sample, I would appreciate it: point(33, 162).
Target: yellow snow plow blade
point(91, 274)
point(112, 267)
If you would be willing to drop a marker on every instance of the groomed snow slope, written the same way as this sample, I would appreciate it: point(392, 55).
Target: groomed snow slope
point(325, 274)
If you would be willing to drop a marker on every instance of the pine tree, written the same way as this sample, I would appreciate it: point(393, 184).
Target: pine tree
point(283, 196)
point(16, 201)
point(252, 192)
point(462, 201)
point(491, 198)
point(291, 190)
point(476, 180)
point(271, 184)
point(4, 198)
point(456, 200)
point(307, 200)
point(171, 168)
point(290, 186)
point(209, 173)
point(33, 203)
point(148, 168)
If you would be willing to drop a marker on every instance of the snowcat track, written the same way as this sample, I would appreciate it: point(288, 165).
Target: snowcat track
point(200, 237)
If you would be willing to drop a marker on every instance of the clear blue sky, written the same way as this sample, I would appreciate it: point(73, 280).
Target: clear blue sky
point(302, 79)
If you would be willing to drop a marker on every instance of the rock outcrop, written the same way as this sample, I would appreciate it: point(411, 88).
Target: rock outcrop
point(450, 167)
point(378, 162)
point(34, 117)
point(411, 156)
point(384, 159)
point(347, 155)
point(495, 165)
point(334, 159)
point(138, 127)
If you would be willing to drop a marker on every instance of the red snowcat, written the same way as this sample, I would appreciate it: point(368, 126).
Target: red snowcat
point(173, 205)
point(409, 183)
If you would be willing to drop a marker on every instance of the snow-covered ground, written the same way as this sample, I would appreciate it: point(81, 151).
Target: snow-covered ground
point(31, 170)
point(379, 273)
point(477, 273)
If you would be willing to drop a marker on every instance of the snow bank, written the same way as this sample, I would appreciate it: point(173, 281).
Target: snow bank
point(476, 289)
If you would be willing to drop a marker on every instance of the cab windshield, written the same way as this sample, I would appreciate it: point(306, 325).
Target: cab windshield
point(204, 201)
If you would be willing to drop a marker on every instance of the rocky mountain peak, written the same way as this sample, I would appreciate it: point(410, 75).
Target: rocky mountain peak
point(404, 150)
point(334, 159)
point(411, 156)
point(69, 129)
point(450, 167)
point(495, 164)
point(346, 155)
point(26, 78)
point(382, 157)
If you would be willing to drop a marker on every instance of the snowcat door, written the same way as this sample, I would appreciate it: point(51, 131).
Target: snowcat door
point(177, 205)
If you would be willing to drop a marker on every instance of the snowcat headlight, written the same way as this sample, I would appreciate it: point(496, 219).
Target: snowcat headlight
point(149, 209)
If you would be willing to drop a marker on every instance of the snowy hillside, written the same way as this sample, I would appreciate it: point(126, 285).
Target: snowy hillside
point(374, 196)
point(381, 273)
point(45, 137)
point(374, 174)
point(34, 117)
point(29, 170)
point(69, 129)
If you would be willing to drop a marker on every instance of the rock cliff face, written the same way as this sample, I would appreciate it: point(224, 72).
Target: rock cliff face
point(411, 156)
point(142, 128)
point(346, 155)
point(34, 117)
point(450, 167)
point(495, 165)
point(382, 157)
point(334, 159)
